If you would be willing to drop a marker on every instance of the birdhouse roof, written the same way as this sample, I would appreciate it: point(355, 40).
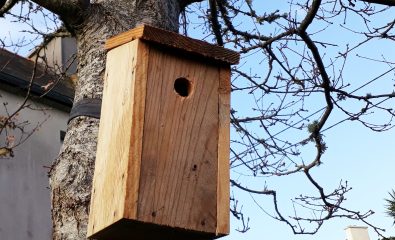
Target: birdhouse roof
point(174, 40)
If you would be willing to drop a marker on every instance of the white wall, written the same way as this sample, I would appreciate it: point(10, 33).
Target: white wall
point(357, 233)
point(24, 192)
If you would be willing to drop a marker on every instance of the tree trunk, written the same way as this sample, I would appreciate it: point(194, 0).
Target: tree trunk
point(72, 172)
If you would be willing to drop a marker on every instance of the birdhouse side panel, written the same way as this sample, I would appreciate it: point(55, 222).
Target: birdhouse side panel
point(223, 152)
point(112, 158)
point(178, 185)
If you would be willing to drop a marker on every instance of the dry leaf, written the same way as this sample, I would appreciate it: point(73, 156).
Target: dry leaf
point(4, 151)
point(47, 86)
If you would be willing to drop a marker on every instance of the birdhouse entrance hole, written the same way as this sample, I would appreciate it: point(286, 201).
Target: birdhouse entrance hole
point(183, 87)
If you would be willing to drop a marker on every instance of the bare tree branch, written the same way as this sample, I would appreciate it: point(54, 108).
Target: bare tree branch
point(213, 18)
point(69, 11)
point(382, 2)
point(185, 3)
point(306, 73)
point(6, 5)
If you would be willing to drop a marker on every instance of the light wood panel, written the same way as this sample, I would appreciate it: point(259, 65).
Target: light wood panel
point(119, 115)
point(178, 185)
point(223, 195)
point(136, 136)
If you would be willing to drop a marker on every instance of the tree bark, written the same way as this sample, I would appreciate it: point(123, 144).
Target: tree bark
point(70, 11)
point(72, 172)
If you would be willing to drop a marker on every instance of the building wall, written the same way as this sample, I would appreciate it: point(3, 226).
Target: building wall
point(58, 54)
point(24, 189)
point(69, 47)
point(357, 233)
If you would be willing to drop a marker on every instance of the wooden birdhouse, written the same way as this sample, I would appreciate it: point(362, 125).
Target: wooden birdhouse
point(162, 163)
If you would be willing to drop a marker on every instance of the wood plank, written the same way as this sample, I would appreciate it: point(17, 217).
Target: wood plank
point(179, 163)
point(175, 41)
point(223, 152)
point(136, 137)
point(112, 157)
point(125, 37)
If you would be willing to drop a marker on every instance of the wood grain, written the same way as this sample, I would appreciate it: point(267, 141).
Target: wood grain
point(136, 136)
point(118, 115)
point(223, 195)
point(162, 164)
point(173, 40)
point(179, 161)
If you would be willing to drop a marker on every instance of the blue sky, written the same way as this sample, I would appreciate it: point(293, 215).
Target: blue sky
point(355, 154)
point(364, 159)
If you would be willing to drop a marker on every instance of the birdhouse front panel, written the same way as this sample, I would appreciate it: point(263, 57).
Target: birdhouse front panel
point(162, 163)
point(178, 181)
